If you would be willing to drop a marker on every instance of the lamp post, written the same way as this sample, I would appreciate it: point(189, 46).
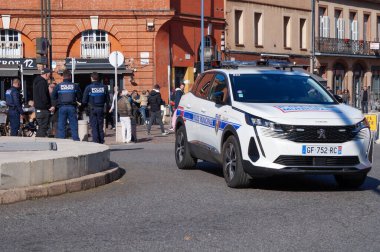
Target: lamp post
point(312, 63)
point(202, 37)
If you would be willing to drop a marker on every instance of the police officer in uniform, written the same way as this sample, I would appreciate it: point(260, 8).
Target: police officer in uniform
point(15, 111)
point(96, 95)
point(66, 96)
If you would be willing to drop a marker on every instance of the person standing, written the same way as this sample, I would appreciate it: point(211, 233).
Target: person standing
point(143, 102)
point(345, 96)
point(15, 111)
point(364, 100)
point(96, 95)
point(125, 111)
point(177, 98)
point(66, 96)
point(155, 101)
point(178, 94)
point(42, 102)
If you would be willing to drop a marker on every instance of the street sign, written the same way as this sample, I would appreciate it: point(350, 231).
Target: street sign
point(372, 121)
point(116, 59)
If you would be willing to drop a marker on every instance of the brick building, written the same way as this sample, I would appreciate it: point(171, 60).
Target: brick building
point(159, 39)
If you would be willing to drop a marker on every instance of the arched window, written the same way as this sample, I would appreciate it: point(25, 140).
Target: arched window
point(210, 49)
point(10, 44)
point(95, 44)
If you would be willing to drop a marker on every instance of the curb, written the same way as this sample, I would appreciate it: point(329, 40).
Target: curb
point(60, 187)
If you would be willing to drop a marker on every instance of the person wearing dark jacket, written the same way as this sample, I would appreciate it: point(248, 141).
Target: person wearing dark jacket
point(96, 95)
point(155, 101)
point(42, 102)
point(15, 111)
point(178, 94)
point(66, 96)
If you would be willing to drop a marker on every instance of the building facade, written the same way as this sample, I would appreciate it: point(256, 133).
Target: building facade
point(86, 31)
point(347, 46)
point(179, 40)
point(268, 27)
point(159, 39)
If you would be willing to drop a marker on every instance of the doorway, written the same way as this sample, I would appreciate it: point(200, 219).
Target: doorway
point(357, 85)
point(179, 76)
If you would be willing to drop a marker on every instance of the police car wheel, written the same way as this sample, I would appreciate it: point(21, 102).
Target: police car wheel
point(350, 181)
point(183, 157)
point(233, 172)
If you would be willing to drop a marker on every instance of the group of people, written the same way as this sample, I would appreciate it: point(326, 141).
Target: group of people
point(132, 105)
point(364, 98)
point(63, 100)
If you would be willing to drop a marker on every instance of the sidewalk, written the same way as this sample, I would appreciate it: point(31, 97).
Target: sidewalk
point(155, 137)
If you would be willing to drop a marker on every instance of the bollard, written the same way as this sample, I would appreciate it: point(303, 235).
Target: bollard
point(83, 130)
point(119, 133)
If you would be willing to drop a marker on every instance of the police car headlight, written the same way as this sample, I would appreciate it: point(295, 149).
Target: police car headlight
point(361, 125)
point(257, 121)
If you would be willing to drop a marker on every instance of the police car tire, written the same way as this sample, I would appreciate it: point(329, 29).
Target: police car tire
point(181, 145)
point(232, 157)
point(351, 180)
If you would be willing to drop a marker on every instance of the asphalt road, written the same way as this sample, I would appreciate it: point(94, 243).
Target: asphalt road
point(156, 207)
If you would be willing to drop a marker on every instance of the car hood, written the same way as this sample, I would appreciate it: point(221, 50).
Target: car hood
point(304, 114)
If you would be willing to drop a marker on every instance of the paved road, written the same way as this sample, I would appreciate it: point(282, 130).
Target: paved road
point(156, 207)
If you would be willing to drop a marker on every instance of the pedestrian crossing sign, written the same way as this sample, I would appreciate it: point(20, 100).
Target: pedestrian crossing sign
point(372, 121)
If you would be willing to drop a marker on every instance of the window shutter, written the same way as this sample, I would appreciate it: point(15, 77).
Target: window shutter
point(326, 27)
point(321, 26)
point(355, 30)
point(340, 28)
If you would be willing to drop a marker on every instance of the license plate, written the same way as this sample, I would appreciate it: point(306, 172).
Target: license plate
point(317, 150)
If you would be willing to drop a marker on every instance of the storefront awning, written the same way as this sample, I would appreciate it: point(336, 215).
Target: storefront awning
point(8, 71)
point(31, 72)
point(87, 66)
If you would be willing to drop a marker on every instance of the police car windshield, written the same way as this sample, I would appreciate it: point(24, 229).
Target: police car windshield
point(278, 88)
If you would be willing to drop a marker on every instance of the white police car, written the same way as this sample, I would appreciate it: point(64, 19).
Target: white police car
point(262, 122)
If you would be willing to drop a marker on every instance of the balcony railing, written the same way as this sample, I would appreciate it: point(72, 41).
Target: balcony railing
point(95, 50)
point(344, 46)
point(11, 49)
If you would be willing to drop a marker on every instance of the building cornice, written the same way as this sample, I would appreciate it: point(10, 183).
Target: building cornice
point(192, 17)
point(86, 13)
point(271, 5)
point(347, 55)
point(259, 53)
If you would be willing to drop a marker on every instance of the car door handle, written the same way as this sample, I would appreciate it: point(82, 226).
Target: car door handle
point(203, 110)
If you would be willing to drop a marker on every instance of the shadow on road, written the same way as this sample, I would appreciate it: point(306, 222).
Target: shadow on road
point(299, 183)
point(122, 169)
point(129, 149)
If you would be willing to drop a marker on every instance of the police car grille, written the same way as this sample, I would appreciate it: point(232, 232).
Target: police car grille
point(317, 161)
point(310, 134)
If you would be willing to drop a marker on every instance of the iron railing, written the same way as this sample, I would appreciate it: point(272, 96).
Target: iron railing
point(344, 46)
point(11, 49)
point(95, 50)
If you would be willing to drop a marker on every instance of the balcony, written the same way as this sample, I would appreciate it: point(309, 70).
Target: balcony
point(95, 50)
point(11, 49)
point(344, 46)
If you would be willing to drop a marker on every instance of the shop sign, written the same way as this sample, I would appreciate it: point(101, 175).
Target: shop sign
point(25, 62)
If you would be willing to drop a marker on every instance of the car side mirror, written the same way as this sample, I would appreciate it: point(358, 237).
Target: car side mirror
point(338, 98)
point(217, 97)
